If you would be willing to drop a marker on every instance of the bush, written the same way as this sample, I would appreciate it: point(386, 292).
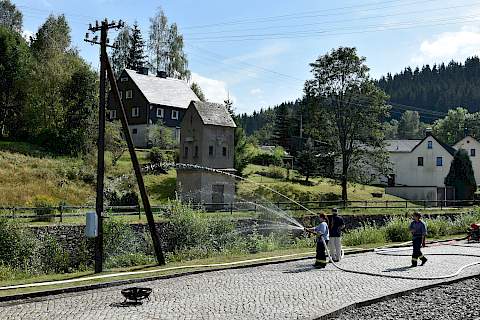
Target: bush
point(119, 238)
point(397, 230)
point(158, 156)
point(17, 246)
point(55, 259)
point(45, 208)
point(266, 159)
point(367, 234)
point(463, 222)
point(438, 227)
point(273, 172)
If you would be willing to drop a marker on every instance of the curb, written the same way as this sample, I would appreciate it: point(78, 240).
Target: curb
point(391, 296)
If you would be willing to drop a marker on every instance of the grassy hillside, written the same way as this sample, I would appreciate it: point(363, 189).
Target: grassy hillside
point(296, 188)
point(27, 172)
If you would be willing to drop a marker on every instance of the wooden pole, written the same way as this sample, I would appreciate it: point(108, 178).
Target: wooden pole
point(101, 151)
point(136, 166)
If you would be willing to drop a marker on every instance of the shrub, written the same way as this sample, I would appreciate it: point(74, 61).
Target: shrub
point(45, 208)
point(55, 259)
point(438, 227)
point(119, 238)
point(273, 172)
point(365, 235)
point(397, 230)
point(158, 156)
point(266, 159)
point(463, 222)
point(17, 246)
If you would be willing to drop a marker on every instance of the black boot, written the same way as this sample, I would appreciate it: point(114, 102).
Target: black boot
point(423, 260)
point(414, 263)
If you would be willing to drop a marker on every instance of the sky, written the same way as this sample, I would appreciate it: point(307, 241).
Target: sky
point(258, 52)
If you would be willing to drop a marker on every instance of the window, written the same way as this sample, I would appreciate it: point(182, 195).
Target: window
point(160, 113)
point(472, 152)
point(210, 150)
point(174, 114)
point(128, 94)
point(224, 151)
point(124, 79)
point(420, 161)
point(196, 151)
point(185, 152)
point(430, 145)
point(135, 112)
point(439, 161)
point(112, 114)
point(134, 131)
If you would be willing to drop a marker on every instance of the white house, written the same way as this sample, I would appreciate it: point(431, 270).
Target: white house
point(419, 168)
point(471, 145)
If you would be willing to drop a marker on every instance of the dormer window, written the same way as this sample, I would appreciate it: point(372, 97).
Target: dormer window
point(160, 113)
point(472, 152)
point(128, 94)
point(430, 145)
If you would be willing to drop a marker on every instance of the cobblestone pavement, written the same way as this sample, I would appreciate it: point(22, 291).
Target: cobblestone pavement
point(291, 290)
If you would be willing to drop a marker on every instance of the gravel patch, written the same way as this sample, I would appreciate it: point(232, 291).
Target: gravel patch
point(454, 301)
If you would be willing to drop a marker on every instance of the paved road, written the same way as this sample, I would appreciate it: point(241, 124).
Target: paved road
point(290, 290)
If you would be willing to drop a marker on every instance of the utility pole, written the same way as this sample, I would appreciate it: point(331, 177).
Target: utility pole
point(105, 68)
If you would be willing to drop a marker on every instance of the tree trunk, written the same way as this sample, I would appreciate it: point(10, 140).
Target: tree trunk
point(344, 188)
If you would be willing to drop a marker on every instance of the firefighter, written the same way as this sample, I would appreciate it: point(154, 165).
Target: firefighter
point(336, 226)
point(419, 231)
point(322, 233)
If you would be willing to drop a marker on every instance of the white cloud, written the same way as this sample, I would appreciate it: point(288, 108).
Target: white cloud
point(26, 34)
point(213, 89)
point(256, 92)
point(446, 46)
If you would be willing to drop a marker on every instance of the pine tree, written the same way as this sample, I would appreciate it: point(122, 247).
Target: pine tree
point(136, 56)
point(198, 91)
point(461, 176)
point(280, 134)
point(307, 160)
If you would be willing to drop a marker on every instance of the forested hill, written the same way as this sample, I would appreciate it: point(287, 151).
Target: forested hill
point(438, 88)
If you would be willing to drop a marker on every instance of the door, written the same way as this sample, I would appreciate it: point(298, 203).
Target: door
point(218, 195)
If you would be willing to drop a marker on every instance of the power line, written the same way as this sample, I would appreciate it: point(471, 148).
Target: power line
point(324, 22)
point(331, 32)
point(299, 15)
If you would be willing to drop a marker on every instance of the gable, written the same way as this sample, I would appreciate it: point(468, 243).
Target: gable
point(440, 144)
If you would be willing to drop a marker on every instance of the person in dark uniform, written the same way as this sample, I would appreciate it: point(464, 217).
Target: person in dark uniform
point(419, 231)
point(336, 226)
point(322, 234)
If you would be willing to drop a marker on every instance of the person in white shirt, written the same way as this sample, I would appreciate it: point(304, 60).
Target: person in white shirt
point(322, 240)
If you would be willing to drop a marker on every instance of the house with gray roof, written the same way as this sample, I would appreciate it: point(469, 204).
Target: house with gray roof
point(207, 140)
point(419, 168)
point(149, 99)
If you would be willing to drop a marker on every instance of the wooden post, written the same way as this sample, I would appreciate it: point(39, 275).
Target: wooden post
point(139, 212)
point(157, 245)
point(231, 207)
point(60, 209)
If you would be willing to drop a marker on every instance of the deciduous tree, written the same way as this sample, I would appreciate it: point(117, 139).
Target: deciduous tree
point(352, 110)
point(10, 17)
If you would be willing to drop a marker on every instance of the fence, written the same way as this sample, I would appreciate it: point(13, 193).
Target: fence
point(60, 212)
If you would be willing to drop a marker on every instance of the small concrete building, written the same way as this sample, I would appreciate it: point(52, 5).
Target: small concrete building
point(207, 140)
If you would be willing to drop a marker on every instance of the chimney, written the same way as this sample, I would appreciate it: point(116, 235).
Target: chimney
point(428, 131)
point(162, 74)
point(143, 70)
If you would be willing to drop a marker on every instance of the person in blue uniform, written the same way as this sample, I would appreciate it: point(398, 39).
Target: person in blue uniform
point(419, 232)
point(322, 233)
